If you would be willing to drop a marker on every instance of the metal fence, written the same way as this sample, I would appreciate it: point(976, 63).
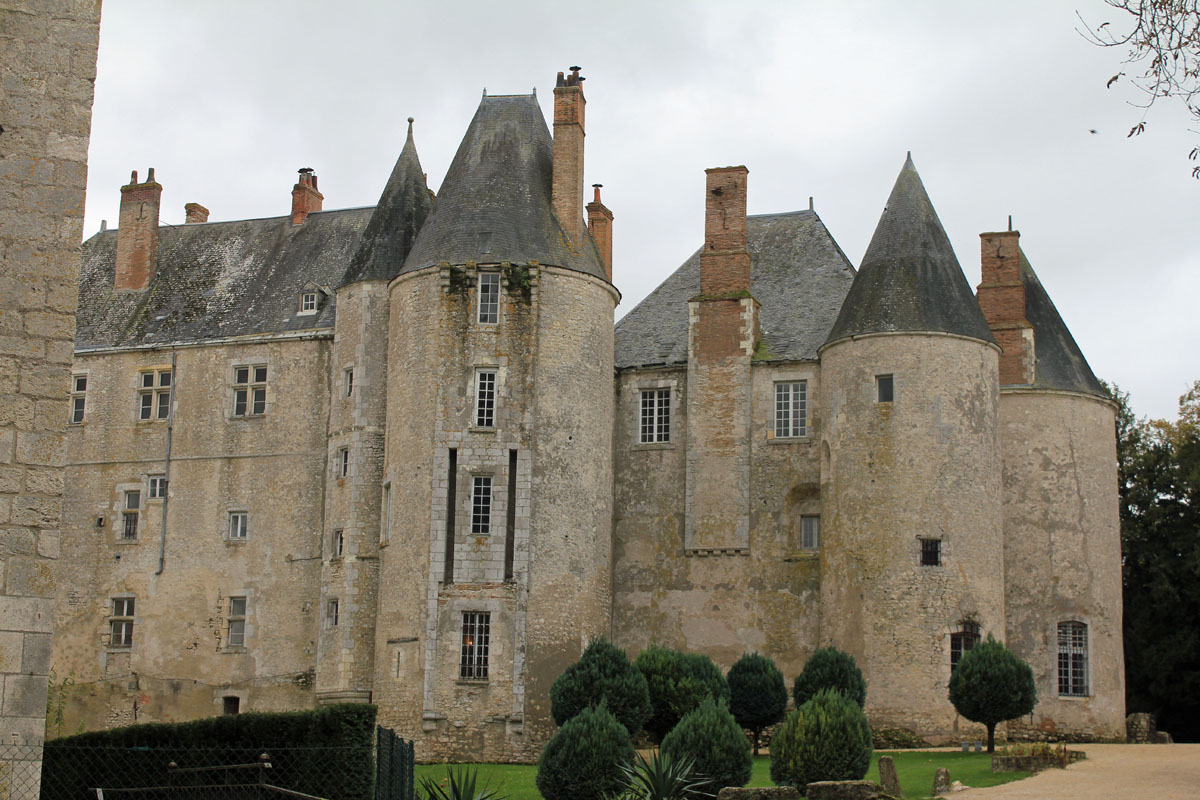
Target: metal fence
point(394, 762)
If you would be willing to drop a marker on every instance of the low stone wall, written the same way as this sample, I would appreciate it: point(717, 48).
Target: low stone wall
point(1035, 763)
point(1140, 728)
point(773, 793)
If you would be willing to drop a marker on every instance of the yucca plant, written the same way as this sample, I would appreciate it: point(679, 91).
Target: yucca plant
point(662, 777)
point(460, 783)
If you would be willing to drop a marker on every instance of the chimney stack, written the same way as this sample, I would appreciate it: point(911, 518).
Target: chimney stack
point(1001, 296)
point(137, 234)
point(567, 192)
point(725, 262)
point(600, 226)
point(194, 212)
point(305, 197)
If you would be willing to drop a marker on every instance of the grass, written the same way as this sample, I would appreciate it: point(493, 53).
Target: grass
point(915, 768)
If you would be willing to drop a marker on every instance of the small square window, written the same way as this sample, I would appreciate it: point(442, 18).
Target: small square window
point(883, 388)
point(810, 532)
point(655, 420)
point(489, 297)
point(239, 525)
point(308, 302)
point(158, 487)
point(931, 552)
point(331, 613)
point(249, 391)
point(485, 398)
point(236, 622)
point(231, 705)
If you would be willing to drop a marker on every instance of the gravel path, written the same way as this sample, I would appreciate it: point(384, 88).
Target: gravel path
point(1111, 772)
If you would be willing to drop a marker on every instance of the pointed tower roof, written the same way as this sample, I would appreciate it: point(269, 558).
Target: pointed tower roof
point(402, 209)
point(494, 204)
point(1059, 361)
point(910, 279)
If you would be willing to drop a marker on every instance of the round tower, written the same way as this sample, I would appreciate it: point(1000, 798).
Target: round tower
point(912, 568)
point(498, 463)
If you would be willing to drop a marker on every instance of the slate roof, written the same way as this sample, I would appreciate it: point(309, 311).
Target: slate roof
point(218, 279)
point(797, 272)
point(401, 212)
point(1060, 362)
point(910, 279)
point(494, 204)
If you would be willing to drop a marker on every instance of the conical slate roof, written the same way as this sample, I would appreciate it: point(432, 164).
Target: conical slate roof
point(494, 204)
point(1060, 362)
point(910, 279)
point(401, 212)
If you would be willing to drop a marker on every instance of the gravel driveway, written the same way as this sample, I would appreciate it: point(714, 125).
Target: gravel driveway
point(1111, 772)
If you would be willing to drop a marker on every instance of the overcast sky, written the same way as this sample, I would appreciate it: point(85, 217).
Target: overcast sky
point(1002, 104)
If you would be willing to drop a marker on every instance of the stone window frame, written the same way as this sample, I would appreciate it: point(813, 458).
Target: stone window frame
point(310, 302)
point(348, 381)
point(474, 516)
point(673, 411)
point(77, 410)
point(885, 383)
point(157, 486)
point(154, 397)
point(332, 612)
point(122, 616)
point(337, 543)
point(235, 621)
point(795, 374)
point(477, 388)
point(923, 551)
point(1081, 663)
point(969, 630)
point(341, 464)
point(490, 314)
point(237, 520)
point(129, 516)
point(816, 544)
point(474, 646)
point(246, 392)
point(385, 514)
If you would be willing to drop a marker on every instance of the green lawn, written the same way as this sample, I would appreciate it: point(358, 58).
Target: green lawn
point(915, 767)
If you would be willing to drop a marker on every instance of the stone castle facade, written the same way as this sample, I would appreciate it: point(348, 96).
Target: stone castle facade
point(400, 454)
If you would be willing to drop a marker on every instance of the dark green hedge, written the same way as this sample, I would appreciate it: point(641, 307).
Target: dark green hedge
point(329, 752)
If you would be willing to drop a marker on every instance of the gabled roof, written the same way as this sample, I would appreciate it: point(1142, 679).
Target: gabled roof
point(494, 204)
point(218, 279)
point(910, 279)
point(797, 271)
point(1059, 361)
point(401, 212)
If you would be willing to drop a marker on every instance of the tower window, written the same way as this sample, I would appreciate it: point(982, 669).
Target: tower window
point(158, 487)
point(883, 388)
point(481, 505)
point(121, 623)
point(331, 613)
point(343, 462)
point(348, 380)
point(1072, 659)
point(791, 409)
point(78, 398)
point(236, 622)
point(337, 543)
point(129, 515)
point(655, 420)
point(250, 390)
point(810, 532)
point(931, 552)
point(489, 297)
point(962, 641)
point(485, 398)
point(239, 525)
point(154, 394)
point(476, 632)
point(231, 705)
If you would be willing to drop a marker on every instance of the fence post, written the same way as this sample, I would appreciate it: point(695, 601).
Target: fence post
point(410, 770)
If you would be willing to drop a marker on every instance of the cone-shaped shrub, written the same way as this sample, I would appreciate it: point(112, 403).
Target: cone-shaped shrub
point(673, 692)
point(757, 694)
point(701, 669)
point(583, 760)
point(602, 673)
point(992, 684)
point(830, 668)
point(710, 735)
point(826, 739)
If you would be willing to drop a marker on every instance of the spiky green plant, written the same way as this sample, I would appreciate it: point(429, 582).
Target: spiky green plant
point(662, 777)
point(460, 783)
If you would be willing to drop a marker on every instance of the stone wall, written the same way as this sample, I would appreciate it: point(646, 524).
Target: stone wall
point(48, 65)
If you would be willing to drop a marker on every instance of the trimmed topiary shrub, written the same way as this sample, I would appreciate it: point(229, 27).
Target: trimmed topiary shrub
point(992, 684)
point(757, 694)
point(826, 739)
point(710, 735)
point(584, 760)
point(701, 669)
point(673, 692)
point(602, 673)
point(830, 668)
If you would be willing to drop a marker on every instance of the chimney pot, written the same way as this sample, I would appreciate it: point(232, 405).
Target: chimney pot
point(150, 175)
point(725, 263)
point(567, 188)
point(194, 212)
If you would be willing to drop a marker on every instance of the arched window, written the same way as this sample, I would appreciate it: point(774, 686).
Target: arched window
point(963, 640)
point(1072, 659)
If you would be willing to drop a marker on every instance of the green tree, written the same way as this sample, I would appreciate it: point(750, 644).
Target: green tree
point(710, 735)
point(673, 691)
point(830, 668)
point(757, 694)
point(826, 739)
point(992, 684)
point(584, 760)
point(603, 673)
point(701, 669)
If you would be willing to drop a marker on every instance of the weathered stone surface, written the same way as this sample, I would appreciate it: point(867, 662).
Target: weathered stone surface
point(941, 782)
point(845, 790)
point(772, 793)
point(888, 778)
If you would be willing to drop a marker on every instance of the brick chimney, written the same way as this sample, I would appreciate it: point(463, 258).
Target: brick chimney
point(600, 226)
point(305, 197)
point(137, 234)
point(194, 212)
point(725, 262)
point(567, 191)
point(1001, 296)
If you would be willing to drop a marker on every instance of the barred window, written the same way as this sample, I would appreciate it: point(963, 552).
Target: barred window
point(239, 525)
point(129, 515)
point(236, 622)
point(962, 641)
point(121, 622)
point(1072, 659)
point(931, 552)
point(78, 398)
point(791, 409)
point(481, 505)
point(655, 416)
point(810, 532)
point(154, 394)
point(485, 398)
point(476, 631)
point(489, 297)
point(250, 390)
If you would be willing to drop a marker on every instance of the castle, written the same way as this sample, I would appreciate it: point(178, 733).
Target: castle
point(401, 455)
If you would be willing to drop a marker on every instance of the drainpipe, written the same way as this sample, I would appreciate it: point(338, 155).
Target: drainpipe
point(162, 537)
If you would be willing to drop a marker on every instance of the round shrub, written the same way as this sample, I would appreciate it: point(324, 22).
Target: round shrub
point(830, 668)
point(826, 739)
point(583, 760)
point(710, 735)
point(757, 695)
point(603, 672)
point(701, 669)
point(673, 692)
point(992, 684)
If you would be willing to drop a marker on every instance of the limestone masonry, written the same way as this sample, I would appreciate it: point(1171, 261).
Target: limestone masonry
point(401, 455)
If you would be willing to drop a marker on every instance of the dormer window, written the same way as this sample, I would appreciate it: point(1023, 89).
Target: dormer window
point(308, 303)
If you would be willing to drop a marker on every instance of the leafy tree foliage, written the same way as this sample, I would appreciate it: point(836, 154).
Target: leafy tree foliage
point(584, 760)
point(992, 684)
point(830, 668)
point(1159, 467)
point(757, 694)
point(603, 673)
point(826, 739)
point(710, 735)
point(673, 691)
